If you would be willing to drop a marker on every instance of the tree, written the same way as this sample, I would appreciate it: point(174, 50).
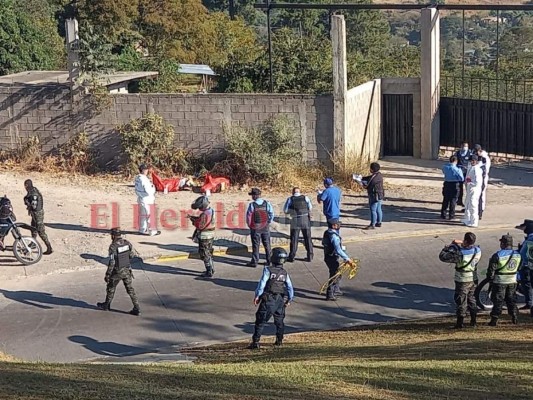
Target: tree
point(28, 37)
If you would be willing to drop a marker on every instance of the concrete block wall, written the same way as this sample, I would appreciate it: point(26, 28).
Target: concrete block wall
point(363, 121)
point(54, 115)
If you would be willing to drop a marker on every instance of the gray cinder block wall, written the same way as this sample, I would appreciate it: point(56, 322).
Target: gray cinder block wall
point(54, 114)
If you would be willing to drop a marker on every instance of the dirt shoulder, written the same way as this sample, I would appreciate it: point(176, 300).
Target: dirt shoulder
point(80, 236)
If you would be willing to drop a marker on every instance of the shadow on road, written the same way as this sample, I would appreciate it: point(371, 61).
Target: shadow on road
point(109, 349)
point(34, 298)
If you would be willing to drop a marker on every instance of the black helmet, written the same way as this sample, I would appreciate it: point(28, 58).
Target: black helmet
point(116, 232)
point(201, 203)
point(279, 256)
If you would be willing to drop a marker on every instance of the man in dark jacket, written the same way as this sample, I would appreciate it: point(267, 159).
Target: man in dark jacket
point(34, 204)
point(374, 186)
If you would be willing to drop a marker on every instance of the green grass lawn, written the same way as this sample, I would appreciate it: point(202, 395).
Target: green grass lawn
point(416, 360)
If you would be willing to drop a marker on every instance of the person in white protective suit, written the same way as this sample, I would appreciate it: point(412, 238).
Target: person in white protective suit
point(484, 162)
point(145, 191)
point(474, 187)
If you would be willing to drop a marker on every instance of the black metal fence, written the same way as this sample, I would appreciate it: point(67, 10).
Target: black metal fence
point(499, 127)
point(489, 89)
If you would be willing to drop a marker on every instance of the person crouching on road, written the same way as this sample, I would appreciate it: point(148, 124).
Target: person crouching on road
point(119, 269)
point(259, 216)
point(145, 191)
point(474, 186)
point(465, 255)
point(333, 249)
point(503, 266)
point(453, 180)
point(299, 207)
point(205, 233)
point(274, 292)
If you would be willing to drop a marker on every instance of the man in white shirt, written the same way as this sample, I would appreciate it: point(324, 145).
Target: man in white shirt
point(484, 161)
point(474, 185)
point(145, 191)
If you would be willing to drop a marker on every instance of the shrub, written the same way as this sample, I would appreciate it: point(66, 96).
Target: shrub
point(259, 153)
point(149, 139)
point(76, 155)
point(345, 166)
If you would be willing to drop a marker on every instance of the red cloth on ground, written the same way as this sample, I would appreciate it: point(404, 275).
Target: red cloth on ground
point(213, 184)
point(173, 183)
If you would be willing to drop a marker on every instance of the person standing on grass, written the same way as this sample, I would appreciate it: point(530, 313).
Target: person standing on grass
point(453, 180)
point(376, 193)
point(465, 255)
point(330, 198)
point(463, 161)
point(299, 207)
point(502, 270)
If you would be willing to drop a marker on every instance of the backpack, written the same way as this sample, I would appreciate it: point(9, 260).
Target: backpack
point(6, 209)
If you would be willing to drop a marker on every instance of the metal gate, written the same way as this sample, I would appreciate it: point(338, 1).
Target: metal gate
point(397, 125)
point(498, 126)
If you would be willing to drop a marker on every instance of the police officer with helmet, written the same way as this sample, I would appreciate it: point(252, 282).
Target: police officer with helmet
point(502, 270)
point(205, 233)
point(333, 250)
point(119, 269)
point(274, 292)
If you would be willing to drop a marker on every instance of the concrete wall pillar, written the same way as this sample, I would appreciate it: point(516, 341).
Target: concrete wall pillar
point(430, 83)
point(340, 84)
point(73, 46)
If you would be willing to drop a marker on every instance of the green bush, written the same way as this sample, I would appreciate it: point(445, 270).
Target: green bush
point(259, 153)
point(76, 155)
point(149, 139)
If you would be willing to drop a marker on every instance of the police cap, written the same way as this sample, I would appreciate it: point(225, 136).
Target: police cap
point(333, 221)
point(255, 192)
point(507, 240)
point(116, 231)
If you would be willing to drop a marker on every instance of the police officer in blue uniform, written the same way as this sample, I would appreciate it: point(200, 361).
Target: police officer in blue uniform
point(463, 161)
point(333, 250)
point(274, 292)
point(502, 270)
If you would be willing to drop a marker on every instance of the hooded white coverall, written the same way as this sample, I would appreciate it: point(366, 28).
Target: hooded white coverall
point(474, 183)
point(145, 191)
point(486, 165)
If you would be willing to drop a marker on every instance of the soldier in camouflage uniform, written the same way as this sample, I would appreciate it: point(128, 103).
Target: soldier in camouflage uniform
point(119, 269)
point(205, 233)
point(34, 205)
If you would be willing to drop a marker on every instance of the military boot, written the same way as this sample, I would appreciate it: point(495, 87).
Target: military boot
point(254, 346)
point(48, 251)
point(460, 323)
point(473, 320)
point(279, 341)
point(103, 306)
point(135, 311)
point(493, 321)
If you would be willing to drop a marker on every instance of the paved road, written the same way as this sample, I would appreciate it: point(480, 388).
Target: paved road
point(53, 318)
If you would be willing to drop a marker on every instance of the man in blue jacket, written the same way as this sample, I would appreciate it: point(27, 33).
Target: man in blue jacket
point(463, 161)
point(330, 199)
point(453, 180)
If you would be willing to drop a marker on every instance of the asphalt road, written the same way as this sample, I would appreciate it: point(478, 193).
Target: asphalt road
point(53, 318)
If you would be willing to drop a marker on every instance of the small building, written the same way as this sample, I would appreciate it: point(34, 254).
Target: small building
point(204, 71)
point(117, 82)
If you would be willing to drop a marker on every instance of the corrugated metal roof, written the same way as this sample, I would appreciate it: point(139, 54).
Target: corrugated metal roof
point(197, 69)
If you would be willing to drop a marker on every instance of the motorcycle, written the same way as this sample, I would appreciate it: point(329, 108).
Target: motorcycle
point(26, 249)
point(483, 290)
